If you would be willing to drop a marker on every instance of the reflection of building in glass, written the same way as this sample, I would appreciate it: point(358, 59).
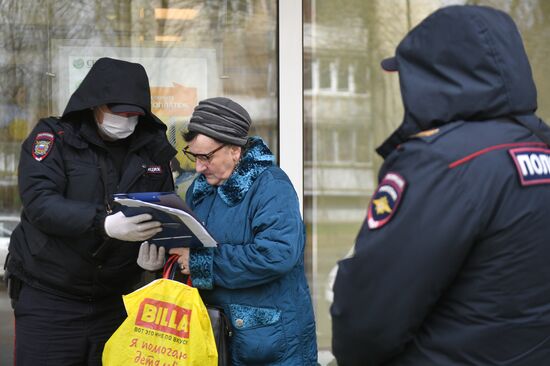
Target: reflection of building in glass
point(338, 150)
point(338, 145)
point(350, 106)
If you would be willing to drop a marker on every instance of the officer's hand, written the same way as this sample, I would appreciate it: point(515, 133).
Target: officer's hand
point(134, 228)
point(149, 257)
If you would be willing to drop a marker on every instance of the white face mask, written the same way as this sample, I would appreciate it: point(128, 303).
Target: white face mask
point(117, 127)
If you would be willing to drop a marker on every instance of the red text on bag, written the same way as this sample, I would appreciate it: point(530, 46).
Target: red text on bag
point(164, 317)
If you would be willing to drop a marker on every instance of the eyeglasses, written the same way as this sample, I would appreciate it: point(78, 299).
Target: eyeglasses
point(203, 158)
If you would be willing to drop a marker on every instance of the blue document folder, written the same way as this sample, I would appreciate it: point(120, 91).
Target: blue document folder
point(180, 227)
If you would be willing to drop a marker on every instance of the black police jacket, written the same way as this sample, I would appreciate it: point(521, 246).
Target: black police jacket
point(66, 178)
point(451, 264)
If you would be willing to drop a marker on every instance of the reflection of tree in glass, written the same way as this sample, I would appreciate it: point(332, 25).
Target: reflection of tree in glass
point(24, 89)
point(360, 34)
point(15, 116)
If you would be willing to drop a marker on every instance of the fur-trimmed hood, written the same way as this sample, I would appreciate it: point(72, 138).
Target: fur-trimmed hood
point(256, 158)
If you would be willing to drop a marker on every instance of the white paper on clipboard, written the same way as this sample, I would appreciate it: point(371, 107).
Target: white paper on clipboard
point(187, 219)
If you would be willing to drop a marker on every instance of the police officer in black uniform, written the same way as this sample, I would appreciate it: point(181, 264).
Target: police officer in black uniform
point(451, 266)
point(73, 255)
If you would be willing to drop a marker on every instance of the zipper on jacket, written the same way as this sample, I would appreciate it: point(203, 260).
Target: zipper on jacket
point(106, 198)
point(136, 177)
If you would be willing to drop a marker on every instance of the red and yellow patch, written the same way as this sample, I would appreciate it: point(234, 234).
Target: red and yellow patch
point(43, 144)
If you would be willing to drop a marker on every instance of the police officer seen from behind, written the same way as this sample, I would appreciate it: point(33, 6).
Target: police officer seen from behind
point(451, 266)
point(72, 256)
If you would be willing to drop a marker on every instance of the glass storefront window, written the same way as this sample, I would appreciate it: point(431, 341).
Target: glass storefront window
point(191, 50)
point(194, 49)
point(351, 106)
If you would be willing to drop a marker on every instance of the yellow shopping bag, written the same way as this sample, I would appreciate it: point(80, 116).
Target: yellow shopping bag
point(167, 325)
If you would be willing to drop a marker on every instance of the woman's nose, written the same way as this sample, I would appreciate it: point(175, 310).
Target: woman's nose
point(200, 166)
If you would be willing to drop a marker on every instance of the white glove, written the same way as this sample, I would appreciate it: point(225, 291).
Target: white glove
point(149, 258)
point(134, 228)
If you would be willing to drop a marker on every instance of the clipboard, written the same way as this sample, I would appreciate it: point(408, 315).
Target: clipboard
point(180, 227)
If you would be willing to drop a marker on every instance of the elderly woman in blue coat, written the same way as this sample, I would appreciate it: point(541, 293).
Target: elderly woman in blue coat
point(250, 207)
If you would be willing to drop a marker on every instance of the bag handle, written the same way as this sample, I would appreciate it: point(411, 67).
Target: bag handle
point(167, 271)
point(170, 270)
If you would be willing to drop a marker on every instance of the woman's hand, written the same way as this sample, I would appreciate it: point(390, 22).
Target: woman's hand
point(183, 260)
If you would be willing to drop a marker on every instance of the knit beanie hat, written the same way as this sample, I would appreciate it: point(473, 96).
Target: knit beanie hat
point(221, 119)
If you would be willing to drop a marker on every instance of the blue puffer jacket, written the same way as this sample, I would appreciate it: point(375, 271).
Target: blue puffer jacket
point(257, 271)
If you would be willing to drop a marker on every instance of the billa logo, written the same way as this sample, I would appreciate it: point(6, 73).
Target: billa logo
point(164, 317)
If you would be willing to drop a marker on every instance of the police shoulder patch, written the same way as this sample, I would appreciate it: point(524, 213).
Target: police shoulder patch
point(385, 200)
point(43, 144)
point(532, 164)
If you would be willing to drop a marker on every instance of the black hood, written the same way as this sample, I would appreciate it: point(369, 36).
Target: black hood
point(463, 63)
point(113, 81)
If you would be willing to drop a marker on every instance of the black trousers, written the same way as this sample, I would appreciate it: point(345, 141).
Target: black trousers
point(52, 330)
